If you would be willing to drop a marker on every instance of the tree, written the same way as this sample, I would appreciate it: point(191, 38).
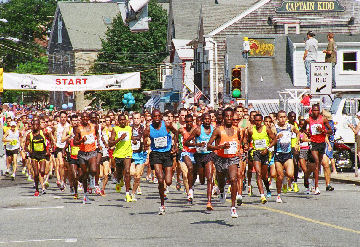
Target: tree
point(123, 51)
point(28, 21)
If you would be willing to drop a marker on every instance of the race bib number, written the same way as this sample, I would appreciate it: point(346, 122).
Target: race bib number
point(120, 133)
point(160, 142)
point(314, 130)
point(90, 139)
point(38, 147)
point(260, 144)
point(136, 146)
point(202, 149)
point(232, 149)
point(13, 143)
point(286, 137)
point(304, 144)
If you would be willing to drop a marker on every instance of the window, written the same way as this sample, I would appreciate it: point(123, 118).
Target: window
point(350, 62)
point(60, 26)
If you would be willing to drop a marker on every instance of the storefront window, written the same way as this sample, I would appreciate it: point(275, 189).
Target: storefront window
point(350, 61)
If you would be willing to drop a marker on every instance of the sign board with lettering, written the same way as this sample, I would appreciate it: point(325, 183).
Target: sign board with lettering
point(321, 78)
point(262, 47)
point(309, 6)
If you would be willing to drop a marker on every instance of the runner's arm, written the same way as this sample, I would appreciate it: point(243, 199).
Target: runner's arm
point(215, 135)
point(328, 127)
point(27, 142)
point(272, 137)
point(77, 139)
point(194, 133)
point(65, 137)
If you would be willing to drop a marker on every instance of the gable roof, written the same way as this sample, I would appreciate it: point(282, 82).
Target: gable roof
point(186, 13)
point(85, 23)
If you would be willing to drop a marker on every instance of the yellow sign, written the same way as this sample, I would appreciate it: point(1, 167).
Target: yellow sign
point(262, 47)
point(1, 80)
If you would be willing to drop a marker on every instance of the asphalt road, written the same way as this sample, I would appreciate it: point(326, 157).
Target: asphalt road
point(56, 219)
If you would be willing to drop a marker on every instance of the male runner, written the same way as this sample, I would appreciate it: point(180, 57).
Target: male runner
point(203, 157)
point(160, 156)
point(227, 144)
point(261, 135)
point(12, 140)
point(319, 128)
point(121, 139)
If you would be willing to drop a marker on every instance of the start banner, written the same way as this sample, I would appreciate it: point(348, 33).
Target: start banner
point(13, 81)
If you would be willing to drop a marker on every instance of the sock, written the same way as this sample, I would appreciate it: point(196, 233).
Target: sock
point(261, 195)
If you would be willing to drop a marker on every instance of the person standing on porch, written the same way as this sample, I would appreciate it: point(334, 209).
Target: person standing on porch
point(331, 55)
point(310, 54)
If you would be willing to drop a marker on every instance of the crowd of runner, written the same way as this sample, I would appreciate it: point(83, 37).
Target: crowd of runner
point(83, 150)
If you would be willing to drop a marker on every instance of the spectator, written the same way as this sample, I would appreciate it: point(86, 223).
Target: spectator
point(310, 54)
point(331, 55)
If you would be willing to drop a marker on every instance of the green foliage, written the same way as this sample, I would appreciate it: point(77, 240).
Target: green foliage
point(40, 66)
point(123, 51)
point(28, 20)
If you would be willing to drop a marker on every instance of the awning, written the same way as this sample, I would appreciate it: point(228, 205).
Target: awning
point(153, 102)
point(171, 97)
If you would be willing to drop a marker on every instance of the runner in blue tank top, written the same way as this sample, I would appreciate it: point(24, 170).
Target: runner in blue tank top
point(160, 156)
point(203, 157)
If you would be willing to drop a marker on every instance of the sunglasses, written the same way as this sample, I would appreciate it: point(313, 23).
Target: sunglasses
point(236, 119)
point(102, 121)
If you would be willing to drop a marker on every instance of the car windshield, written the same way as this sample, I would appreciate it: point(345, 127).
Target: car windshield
point(335, 105)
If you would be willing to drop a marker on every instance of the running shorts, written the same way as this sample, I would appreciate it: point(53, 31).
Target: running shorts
point(222, 164)
point(39, 156)
point(330, 154)
point(57, 150)
point(163, 158)
point(202, 159)
point(103, 159)
point(304, 154)
point(139, 158)
point(11, 152)
point(257, 156)
point(73, 161)
point(190, 155)
point(282, 157)
point(84, 157)
point(320, 147)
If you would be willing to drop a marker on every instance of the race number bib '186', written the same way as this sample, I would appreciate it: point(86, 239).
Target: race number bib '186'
point(160, 142)
point(202, 149)
point(314, 130)
point(260, 144)
point(232, 149)
point(286, 137)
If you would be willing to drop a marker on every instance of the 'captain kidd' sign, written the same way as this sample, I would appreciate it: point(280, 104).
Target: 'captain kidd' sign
point(307, 6)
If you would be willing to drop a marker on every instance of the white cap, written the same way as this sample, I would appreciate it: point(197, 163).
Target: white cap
point(13, 123)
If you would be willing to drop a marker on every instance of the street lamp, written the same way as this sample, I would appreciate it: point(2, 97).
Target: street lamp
point(245, 53)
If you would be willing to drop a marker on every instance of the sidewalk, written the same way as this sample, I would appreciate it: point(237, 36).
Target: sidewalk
point(344, 177)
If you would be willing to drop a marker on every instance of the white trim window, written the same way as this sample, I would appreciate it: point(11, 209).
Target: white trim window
point(60, 27)
point(350, 62)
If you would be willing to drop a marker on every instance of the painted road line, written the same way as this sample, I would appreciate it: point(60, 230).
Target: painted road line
point(39, 208)
point(304, 218)
point(66, 240)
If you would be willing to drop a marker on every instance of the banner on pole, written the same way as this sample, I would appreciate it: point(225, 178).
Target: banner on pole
point(13, 81)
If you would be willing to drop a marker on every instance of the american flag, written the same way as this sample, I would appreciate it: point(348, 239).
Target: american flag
point(197, 94)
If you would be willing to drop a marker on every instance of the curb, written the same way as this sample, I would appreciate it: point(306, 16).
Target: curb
point(342, 180)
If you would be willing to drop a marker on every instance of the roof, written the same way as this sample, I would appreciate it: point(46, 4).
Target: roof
point(322, 38)
point(186, 15)
point(184, 51)
point(85, 24)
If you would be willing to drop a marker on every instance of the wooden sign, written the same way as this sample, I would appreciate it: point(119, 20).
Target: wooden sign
point(309, 6)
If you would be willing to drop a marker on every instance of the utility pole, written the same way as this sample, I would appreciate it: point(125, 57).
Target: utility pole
point(245, 53)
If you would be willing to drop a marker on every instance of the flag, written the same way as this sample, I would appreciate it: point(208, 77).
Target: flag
point(197, 94)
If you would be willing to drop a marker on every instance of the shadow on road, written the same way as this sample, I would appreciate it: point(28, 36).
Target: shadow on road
point(219, 222)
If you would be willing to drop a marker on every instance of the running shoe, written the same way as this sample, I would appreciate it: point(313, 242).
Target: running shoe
point(284, 188)
point(29, 179)
point(133, 198)
point(296, 188)
point(97, 190)
point(7, 172)
point(23, 170)
point(178, 186)
point(43, 191)
point(89, 190)
point(161, 210)
point(13, 176)
point(155, 181)
point(239, 200)
point(307, 191)
point(102, 192)
point(122, 182)
point(58, 183)
point(80, 186)
point(317, 191)
point(128, 198)
point(86, 200)
point(72, 191)
point(268, 194)
point(36, 193)
point(250, 192)
point(148, 178)
point(138, 191)
point(27, 174)
point(278, 199)
point(329, 188)
point(215, 190)
point(222, 197)
point(289, 189)
point(118, 188)
point(233, 213)
point(167, 190)
point(263, 200)
point(62, 187)
point(76, 196)
point(209, 207)
point(47, 185)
